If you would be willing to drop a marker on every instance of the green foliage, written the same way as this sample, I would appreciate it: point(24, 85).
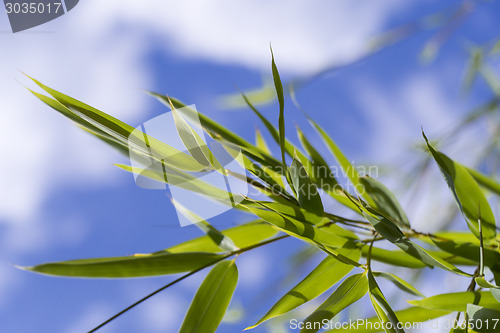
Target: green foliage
point(298, 210)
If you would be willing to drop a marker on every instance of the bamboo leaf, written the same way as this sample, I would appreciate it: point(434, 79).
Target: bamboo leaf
point(260, 142)
point(211, 300)
point(407, 316)
point(243, 236)
point(322, 278)
point(224, 242)
point(457, 301)
point(382, 307)
point(494, 289)
point(127, 267)
point(483, 320)
point(398, 282)
point(281, 100)
point(467, 193)
point(485, 181)
point(350, 291)
point(385, 201)
point(307, 193)
point(321, 174)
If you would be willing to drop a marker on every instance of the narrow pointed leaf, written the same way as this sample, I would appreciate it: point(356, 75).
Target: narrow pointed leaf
point(382, 307)
point(385, 201)
point(243, 236)
point(467, 193)
point(407, 316)
point(224, 242)
point(281, 100)
point(307, 193)
point(457, 301)
point(127, 267)
point(350, 291)
point(398, 282)
point(322, 278)
point(211, 300)
point(322, 174)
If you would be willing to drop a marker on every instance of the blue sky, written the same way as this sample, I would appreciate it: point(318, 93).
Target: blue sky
point(61, 197)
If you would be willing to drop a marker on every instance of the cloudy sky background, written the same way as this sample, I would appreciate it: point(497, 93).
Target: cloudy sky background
point(61, 197)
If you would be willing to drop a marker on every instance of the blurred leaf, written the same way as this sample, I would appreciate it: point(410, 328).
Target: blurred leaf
point(468, 194)
point(457, 301)
point(243, 236)
point(126, 267)
point(483, 320)
point(475, 63)
point(350, 291)
point(406, 316)
point(322, 278)
point(485, 181)
point(307, 193)
point(398, 282)
point(382, 307)
point(385, 201)
point(211, 300)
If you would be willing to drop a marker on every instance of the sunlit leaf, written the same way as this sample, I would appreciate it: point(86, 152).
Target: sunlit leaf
point(382, 307)
point(243, 236)
point(211, 300)
point(398, 282)
point(467, 193)
point(350, 291)
point(457, 301)
point(126, 267)
point(322, 278)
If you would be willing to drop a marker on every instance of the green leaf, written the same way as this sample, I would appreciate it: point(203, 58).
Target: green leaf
point(385, 201)
point(281, 100)
point(322, 278)
point(393, 234)
point(483, 320)
point(301, 230)
point(243, 236)
point(485, 181)
point(398, 282)
point(350, 291)
point(117, 131)
point(322, 175)
point(127, 267)
point(382, 307)
point(407, 316)
point(307, 193)
point(211, 300)
point(224, 242)
point(349, 170)
point(260, 142)
point(457, 301)
point(494, 289)
point(219, 132)
point(467, 193)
